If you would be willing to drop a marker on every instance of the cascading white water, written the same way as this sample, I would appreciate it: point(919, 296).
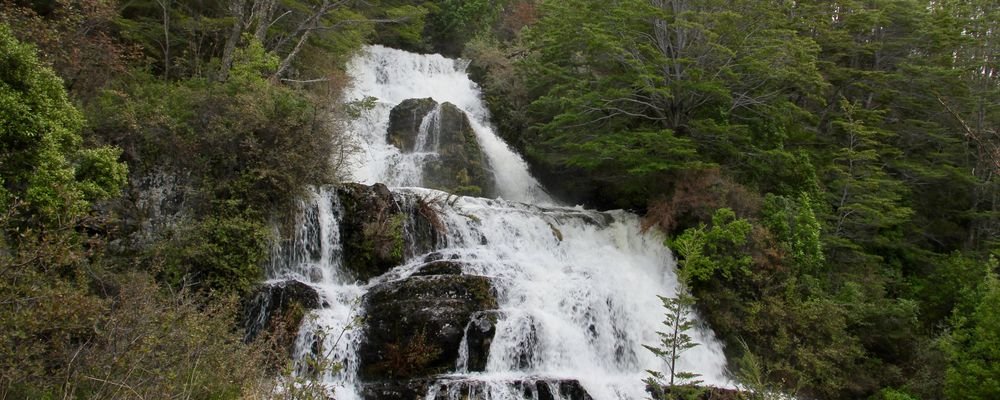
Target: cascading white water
point(391, 76)
point(577, 289)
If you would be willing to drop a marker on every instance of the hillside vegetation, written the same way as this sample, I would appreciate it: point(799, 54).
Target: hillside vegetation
point(826, 172)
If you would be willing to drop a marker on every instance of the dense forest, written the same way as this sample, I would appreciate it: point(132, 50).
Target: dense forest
point(826, 171)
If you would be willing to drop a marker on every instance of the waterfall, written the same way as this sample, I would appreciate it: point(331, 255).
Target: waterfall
point(576, 290)
point(391, 76)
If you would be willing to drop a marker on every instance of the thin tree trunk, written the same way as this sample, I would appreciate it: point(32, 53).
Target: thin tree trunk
point(305, 29)
point(165, 6)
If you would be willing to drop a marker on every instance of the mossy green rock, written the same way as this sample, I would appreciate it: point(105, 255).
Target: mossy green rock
point(414, 326)
point(371, 230)
point(380, 230)
point(460, 166)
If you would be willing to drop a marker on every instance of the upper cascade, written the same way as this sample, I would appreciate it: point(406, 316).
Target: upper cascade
point(460, 297)
point(439, 138)
point(393, 76)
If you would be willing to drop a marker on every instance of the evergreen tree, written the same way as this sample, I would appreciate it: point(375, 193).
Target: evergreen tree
point(974, 347)
point(674, 340)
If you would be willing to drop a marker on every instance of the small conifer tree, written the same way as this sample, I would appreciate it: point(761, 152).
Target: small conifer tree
point(674, 340)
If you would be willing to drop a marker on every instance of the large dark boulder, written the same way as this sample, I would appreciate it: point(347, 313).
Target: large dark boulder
point(413, 389)
point(371, 230)
point(440, 267)
point(278, 308)
point(693, 392)
point(380, 230)
point(460, 166)
point(405, 120)
point(414, 326)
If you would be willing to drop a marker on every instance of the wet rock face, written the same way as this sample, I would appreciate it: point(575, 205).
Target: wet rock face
point(440, 267)
point(278, 308)
point(452, 389)
point(460, 166)
point(694, 392)
point(528, 389)
point(479, 336)
point(405, 120)
point(373, 230)
point(414, 326)
point(413, 389)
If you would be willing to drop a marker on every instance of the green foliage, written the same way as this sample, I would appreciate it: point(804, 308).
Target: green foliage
point(892, 394)
point(245, 139)
point(974, 346)
point(251, 63)
point(867, 201)
point(681, 79)
point(754, 377)
point(222, 254)
point(795, 225)
point(674, 340)
point(705, 252)
point(42, 166)
point(70, 343)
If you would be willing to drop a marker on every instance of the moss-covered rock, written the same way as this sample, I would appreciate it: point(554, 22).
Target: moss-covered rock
point(380, 230)
point(371, 230)
point(460, 166)
point(414, 326)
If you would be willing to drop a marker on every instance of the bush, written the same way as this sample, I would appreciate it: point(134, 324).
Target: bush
point(248, 140)
point(43, 166)
point(221, 254)
point(720, 249)
point(139, 343)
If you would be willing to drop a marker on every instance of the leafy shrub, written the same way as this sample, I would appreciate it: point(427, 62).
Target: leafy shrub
point(42, 164)
point(138, 343)
point(719, 249)
point(221, 254)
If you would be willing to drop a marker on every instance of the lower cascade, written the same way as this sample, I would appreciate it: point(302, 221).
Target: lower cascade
point(422, 286)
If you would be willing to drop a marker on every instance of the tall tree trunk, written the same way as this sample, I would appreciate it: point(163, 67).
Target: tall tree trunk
point(236, 9)
point(263, 10)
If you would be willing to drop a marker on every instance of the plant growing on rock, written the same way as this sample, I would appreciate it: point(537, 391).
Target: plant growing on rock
point(431, 206)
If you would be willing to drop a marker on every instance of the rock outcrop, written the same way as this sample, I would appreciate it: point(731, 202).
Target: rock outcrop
point(405, 120)
point(378, 231)
point(460, 166)
point(478, 337)
point(414, 326)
